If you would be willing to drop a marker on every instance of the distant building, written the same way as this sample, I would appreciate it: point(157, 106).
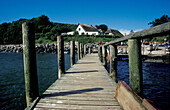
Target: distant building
point(84, 29)
point(113, 32)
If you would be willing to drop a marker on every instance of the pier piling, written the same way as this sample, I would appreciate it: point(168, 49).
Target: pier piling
point(30, 66)
point(72, 52)
point(84, 49)
point(60, 48)
point(104, 56)
point(78, 50)
point(135, 66)
point(113, 62)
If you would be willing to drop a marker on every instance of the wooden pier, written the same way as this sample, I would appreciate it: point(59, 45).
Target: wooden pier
point(86, 85)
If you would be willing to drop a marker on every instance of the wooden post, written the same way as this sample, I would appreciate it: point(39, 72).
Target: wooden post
point(72, 52)
point(61, 66)
point(81, 51)
point(89, 49)
point(113, 62)
point(30, 66)
point(104, 56)
point(135, 66)
point(78, 50)
point(84, 49)
point(100, 53)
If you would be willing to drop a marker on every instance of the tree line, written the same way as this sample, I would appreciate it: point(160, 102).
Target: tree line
point(11, 33)
point(46, 31)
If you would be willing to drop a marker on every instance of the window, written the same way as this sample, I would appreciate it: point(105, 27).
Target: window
point(79, 29)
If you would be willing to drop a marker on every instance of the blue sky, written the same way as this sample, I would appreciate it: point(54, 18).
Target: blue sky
point(122, 15)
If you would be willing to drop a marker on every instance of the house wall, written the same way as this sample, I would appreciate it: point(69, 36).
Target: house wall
point(81, 30)
point(70, 33)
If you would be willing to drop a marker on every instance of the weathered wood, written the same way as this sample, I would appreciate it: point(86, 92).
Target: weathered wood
point(135, 66)
point(100, 53)
point(127, 99)
point(104, 56)
point(72, 52)
point(81, 51)
point(89, 50)
point(156, 31)
point(113, 62)
point(78, 50)
point(30, 66)
point(60, 48)
point(78, 90)
point(84, 49)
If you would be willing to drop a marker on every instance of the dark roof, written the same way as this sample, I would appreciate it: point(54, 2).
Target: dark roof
point(114, 32)
point(89, 28)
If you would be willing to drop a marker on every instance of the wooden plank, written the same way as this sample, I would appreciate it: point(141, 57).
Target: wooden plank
point(77, 107)
point(77, 89)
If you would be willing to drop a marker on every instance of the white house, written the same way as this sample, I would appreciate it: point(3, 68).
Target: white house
point(84, 29)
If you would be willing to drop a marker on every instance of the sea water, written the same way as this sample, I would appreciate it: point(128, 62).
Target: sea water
point(156, 79)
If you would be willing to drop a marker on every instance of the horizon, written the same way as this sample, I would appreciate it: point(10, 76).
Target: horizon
point(120, 15)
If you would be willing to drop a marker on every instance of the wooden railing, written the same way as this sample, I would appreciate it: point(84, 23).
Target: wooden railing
point(134, 53)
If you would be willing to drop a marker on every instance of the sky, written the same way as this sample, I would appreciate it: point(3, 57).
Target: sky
point(123, 15)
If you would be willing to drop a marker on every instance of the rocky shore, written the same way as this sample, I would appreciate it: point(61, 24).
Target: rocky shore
point(43, 48)
point(40, 48)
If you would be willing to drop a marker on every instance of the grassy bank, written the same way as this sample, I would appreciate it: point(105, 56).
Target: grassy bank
point(82, 39)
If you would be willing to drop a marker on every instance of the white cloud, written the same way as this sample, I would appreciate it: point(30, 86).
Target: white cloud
point(123, 31)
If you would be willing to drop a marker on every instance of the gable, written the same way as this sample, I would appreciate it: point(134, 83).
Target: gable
point(87, 28)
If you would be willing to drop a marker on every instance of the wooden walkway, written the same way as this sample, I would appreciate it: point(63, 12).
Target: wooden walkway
point(86, 85)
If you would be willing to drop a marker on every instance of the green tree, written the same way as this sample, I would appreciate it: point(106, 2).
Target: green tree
point(156, 22)
point(103, 27)
point(159, 21)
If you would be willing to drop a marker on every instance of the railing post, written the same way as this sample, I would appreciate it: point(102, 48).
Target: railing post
point(60, 48)
point(72, 52)
point(84, 49)
point(89, 49)
point(30, 66)
point(78, 50)
point(135, 66)
point(100, 53)
point(113, 62)
point(104, 56)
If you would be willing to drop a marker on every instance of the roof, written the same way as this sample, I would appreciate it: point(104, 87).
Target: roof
point(89, 28)
point(114, 32)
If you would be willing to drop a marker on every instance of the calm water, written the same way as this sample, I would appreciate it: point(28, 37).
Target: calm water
point(12, 88)
point(156, 81)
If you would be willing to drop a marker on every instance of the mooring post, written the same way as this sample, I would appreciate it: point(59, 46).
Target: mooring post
point(113, 62)
point(104, 56)
point(84, 49)
point(72, 52)
point(135, 66)
point(30, 66)
point(89, 49)
point(100, 53)
point(78, 50)
point(60, 48)
point(81, 51)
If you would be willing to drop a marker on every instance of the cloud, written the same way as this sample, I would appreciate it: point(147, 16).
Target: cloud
point(123, 31)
